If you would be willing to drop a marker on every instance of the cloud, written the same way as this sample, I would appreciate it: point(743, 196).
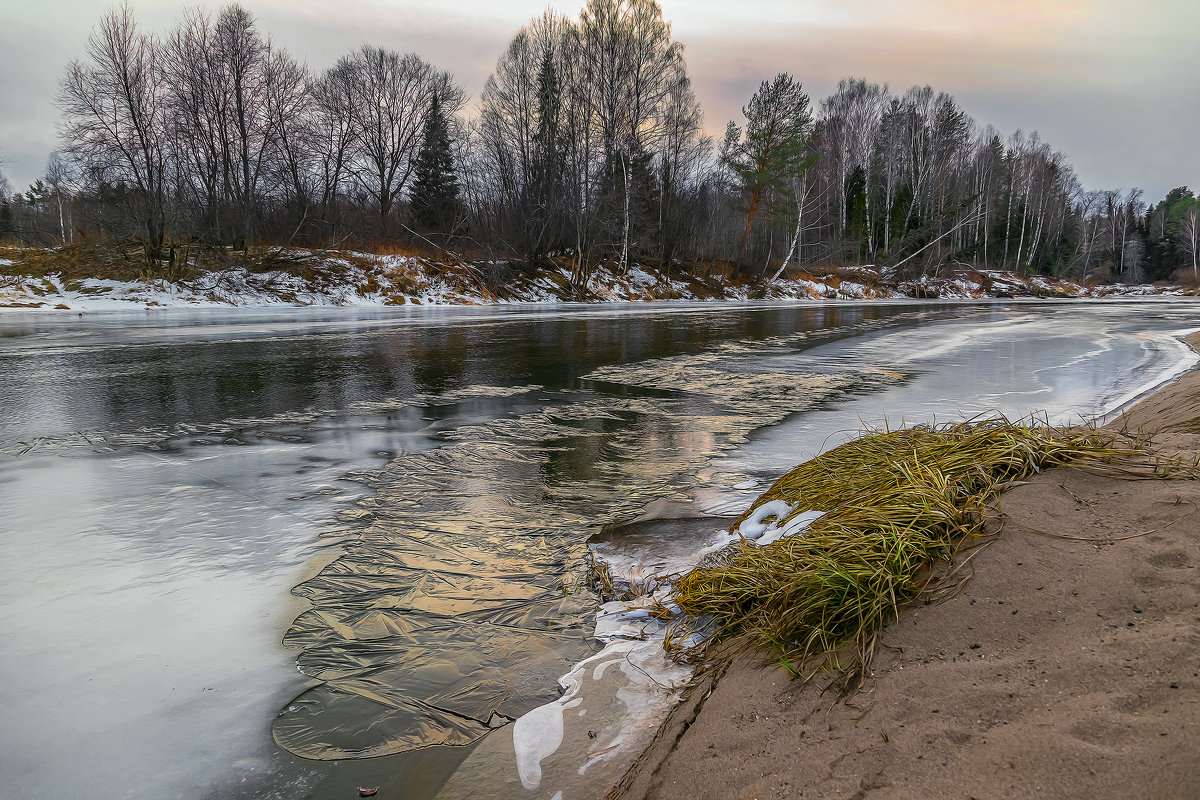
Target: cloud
point(1111, 83)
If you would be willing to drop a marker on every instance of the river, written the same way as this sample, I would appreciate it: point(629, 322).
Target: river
point(195, 503)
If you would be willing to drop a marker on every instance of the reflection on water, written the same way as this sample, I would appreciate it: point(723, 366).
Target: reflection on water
point(166, 479)
point(460, 602)
point(124, 372)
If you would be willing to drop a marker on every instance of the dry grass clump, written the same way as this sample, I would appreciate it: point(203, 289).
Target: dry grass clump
point(126, 261)
point(898, 505)
point(598, 577)
point(118, 260)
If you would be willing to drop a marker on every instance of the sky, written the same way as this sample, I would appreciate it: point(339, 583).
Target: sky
point(1113, 84)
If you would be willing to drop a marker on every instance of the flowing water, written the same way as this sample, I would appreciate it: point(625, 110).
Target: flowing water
point(398, 502)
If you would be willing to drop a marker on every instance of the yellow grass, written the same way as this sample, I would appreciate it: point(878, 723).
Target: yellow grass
point(898, 505)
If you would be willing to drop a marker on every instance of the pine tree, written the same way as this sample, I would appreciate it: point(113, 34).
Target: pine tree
point(773, 150)
point(435, 186)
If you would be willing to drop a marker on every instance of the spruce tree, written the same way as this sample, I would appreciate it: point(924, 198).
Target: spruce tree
point(435, 186)
point(544, 192)
point(547, 169)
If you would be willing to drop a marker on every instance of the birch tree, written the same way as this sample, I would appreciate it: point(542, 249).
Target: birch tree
point(1189, 236)
point(853, 115)
point(627, 54)
point(59, 179)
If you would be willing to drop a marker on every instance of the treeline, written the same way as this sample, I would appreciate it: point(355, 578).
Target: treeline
point(587, 144)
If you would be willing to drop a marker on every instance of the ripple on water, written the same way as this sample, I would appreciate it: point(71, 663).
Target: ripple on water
point(461, 599)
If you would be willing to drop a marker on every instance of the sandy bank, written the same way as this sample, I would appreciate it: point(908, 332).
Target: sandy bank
point(1069, 666)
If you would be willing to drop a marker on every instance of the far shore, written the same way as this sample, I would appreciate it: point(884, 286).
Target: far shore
point(1067, 667)
point(95, 278)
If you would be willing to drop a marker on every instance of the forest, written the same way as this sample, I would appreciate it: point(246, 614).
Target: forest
point(586, 146)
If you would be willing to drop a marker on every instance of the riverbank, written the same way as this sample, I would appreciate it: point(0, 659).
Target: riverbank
point(1068, 666)
point(91, 278)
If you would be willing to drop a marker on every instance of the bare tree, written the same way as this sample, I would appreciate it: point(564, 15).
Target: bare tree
point(1086, 217)
point(682, 154)
point(525, 117)
point(803, 193)
point(115, 116)
point(244, 59)
point(197, 116)
point(391, 96)
point(987, 167)
point(333, 132)
point(628, 57)
point(236, 111)
point(893, 154)
point(6, 221)
point(853, 115)
point(292, 133)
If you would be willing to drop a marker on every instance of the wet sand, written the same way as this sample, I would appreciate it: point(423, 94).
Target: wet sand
point(1065, 668)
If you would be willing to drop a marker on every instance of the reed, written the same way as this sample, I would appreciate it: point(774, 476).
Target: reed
point(898, 506)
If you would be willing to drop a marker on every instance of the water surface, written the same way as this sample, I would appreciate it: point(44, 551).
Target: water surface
point(426, 479)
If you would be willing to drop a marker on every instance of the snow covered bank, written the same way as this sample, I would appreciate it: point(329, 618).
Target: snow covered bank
point(306, 278)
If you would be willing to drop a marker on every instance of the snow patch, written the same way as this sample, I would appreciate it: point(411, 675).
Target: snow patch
point(783, 522)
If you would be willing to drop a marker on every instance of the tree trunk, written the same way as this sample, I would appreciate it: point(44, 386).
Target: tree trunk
point(62, 228)
point(627, 170)
point(795, 240)
point(741, 253)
